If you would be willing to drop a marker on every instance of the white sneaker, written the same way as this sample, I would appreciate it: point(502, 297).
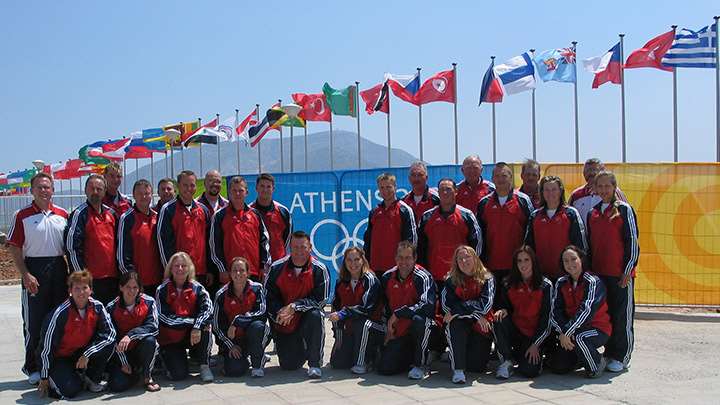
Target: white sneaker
point(504, 370)
point(314, 372)
point(416, 373)
point(92, 386)
point(257, 373)
point(206, 375)
point(34, 378)
point(458, 377)
point(614, 366)
point(358, 369)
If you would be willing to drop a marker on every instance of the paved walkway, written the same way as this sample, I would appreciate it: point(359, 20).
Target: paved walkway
point(673, 362)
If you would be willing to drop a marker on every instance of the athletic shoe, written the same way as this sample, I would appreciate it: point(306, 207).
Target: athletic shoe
point(458, 377)
point(600, 369)
point(257, 373)
point(92, 386)
point(416, 373)
point(314, 372)
point(206, 375)
point(614, 366)
point(358, 369)
point(265, 359)
point(504, 370)
point(34, 378)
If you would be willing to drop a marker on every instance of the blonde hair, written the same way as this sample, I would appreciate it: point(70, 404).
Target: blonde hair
point(613, 181)
point(178, 256)
point(344, 272)
point(480, 273)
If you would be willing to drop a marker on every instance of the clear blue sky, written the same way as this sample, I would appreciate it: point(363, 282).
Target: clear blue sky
point(74, 72)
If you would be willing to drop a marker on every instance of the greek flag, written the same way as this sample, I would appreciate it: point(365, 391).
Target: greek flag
point(693, 49)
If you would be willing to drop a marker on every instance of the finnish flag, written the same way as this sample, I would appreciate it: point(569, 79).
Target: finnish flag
point(517, 74)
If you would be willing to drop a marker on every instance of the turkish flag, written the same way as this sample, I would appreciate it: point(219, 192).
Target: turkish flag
point(314, 107)
point(651, 54)
point(440, 87)
point(376, 98)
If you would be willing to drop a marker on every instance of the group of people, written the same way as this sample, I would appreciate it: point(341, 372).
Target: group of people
point(120, 284)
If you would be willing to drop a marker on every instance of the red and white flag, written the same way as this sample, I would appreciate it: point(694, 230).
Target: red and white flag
point(377, 98)
point(241, 128)
point(651, 54)
point(314, 107)
point(439, 87)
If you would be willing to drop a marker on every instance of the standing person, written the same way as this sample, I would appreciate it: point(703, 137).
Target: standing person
point(166, 192)
point(239, 321)
point(185, 311)
point(584, 198)
point(502, 216)
point(113, 198)
point(77, 342)
point(91, 240)
point(473, 187)
point(580, 316)
point(135, 318)
point(530, 175)
point(522, 316)
point(238, 230)
point(297, 289)
point(614, 251)
point(277, 217)
point(421, 198)
point(137, 239)
point(409, 296)
point(389, 223)
point(356, 314)
point(184, 226)
point(467, 300)
point(553, 227)
point(211, 197)
point(35, 241)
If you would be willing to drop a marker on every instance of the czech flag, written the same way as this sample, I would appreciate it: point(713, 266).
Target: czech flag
point(607, 67)
point(491, 90)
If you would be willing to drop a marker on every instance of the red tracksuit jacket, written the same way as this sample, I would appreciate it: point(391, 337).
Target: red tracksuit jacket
point(222, 202)
point(137, 324)
point(469, 300)
point(137, 246)
point(386, 227)
point(529, 308)
point(503, 228)
point(180, 229)
point(614, 248)
point(179, 312)
point(119, 203)
point(415, 295)
point(361, 302)
point(429, 199)
point(230, 309)
point(90, 241)
point(581, 306)
point(549, 236)
point(469, 196)
point(278, 221)
point(239, 234)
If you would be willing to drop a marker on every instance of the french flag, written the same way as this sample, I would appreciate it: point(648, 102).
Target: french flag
point(491, 90)
point(607, 68)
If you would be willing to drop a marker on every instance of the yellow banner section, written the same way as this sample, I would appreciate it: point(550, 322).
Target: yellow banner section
point(678, 209)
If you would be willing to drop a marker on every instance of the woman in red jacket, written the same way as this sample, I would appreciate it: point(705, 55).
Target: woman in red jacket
point(614, 251)
point(522, 316)
point(553, 226)
point(467, 300)
point(135, 318)
point(185, 312)
point(580, 316)
point(356, 314)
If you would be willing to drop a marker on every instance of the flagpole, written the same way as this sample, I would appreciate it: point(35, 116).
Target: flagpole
point(182, 150)
point(575, 98)
point(136, 170)
point(172, 163)
point(389, 148)
point(420, 138)
point(457, 156)
point(217, 119)
point(237, 139)
point(306, 167)
point(201, 151)
point(357, 112)
point(332, 163)
point(257, 115)
point(622, 97)
point(534, 127)
point(152, 169)
point(124, 174)
point(494, 128)
point(292, 159)
point(717, 86)
point(282, 155)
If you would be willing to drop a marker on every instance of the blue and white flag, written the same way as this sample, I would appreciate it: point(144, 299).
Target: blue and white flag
point(517, 74)
point(693, 49)
point(556, 65)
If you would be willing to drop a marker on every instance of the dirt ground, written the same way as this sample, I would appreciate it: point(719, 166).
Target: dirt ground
point(7, 267)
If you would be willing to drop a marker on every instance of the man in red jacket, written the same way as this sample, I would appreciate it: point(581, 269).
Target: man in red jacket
point(211, 197)
point(166, 192)
point(90, 240)
point(473, 188)
point(530, 175)
point(421, 198)
point(238, 230)
point(276, 216)
point(113, 197)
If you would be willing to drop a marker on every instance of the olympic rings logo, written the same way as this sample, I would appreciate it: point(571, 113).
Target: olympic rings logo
point(343, 244)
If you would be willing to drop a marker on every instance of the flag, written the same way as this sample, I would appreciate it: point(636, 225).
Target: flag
point(175, 139)
point(693, 49)
point(377, 98)
point(273, 120)
point(652, 53)
point(85, 157)
point(241, 129)
point(556, 65)
point(209, 135)
point(314, 106)
point(404, 87)
point(341, 101)
point(517, 74)
point(112, 150)
point(439, 87)
point(21, 178)
point(68, 170)
point(293, 118)
point(607, 67)
point(491, 90)
point(185, 135)
point(144, 143)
